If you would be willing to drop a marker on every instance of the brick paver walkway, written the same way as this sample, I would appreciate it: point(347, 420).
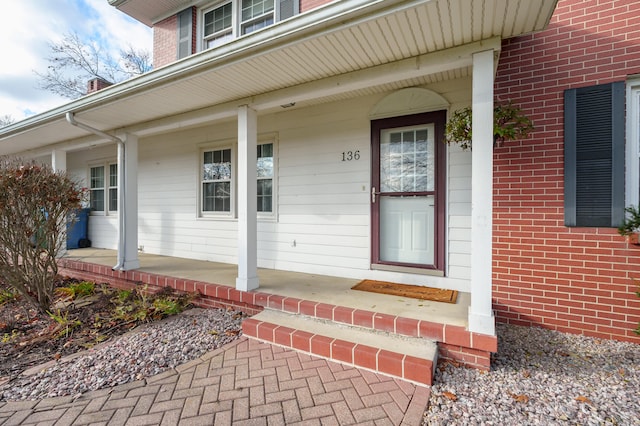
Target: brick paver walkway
point(244, 383)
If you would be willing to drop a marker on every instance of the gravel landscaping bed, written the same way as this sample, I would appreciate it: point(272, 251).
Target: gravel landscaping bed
point(143, 352)
point(542, 377)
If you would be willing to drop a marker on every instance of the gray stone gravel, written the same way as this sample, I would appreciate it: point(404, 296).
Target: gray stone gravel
point(143, 352)
point(542, 377)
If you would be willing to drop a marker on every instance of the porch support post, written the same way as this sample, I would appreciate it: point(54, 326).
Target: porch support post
point(59, 160)
point(247, 200)
point(59, 164)
point(481, 319)
point(128, 202)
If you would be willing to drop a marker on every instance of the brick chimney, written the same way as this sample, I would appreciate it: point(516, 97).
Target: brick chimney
point(96, 84)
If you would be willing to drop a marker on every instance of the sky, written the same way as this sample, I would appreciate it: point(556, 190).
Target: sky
point(27, 29)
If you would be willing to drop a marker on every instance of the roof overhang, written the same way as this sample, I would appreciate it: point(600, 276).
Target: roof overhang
point(345, 48)
point(150, 12)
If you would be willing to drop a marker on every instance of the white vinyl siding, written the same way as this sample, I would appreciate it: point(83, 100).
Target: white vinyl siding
point(459, 217)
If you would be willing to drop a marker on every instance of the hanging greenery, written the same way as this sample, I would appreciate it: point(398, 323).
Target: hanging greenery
point(509, 123)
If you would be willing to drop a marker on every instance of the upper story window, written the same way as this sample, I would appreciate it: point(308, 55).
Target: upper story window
point(218, 25)
point(256, 14)
point(227, 20)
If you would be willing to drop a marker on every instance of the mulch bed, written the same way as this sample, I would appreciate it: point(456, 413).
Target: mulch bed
point(29, 338)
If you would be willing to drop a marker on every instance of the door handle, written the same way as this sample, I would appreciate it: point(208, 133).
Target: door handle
point(373, 194)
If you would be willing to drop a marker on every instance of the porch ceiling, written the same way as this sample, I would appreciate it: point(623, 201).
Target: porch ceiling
point(322, 53)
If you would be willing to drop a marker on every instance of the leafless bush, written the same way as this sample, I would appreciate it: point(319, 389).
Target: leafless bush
point(36, 204)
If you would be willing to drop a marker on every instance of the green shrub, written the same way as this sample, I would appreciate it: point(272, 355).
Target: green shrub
point(76, 290)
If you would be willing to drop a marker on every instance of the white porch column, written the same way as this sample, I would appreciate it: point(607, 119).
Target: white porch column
point(481, 319)
point(59, 160)
point(59, 164)
point(247, 200)
point(128, 202)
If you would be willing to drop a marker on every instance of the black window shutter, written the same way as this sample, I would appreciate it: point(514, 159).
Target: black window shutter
point(287, 9)
point(185, 32)
point(594, 128)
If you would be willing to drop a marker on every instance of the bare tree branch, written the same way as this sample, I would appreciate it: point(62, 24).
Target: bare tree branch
point(136, 61)
point(5, 120)
point(73, 62)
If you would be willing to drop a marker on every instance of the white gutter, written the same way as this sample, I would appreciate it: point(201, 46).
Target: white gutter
point(121, 185)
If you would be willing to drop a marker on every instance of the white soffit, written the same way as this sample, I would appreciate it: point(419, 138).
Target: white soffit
point(149, 11)
point(326, 44)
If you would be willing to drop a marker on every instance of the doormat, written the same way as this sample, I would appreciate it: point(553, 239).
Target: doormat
point(405, 290)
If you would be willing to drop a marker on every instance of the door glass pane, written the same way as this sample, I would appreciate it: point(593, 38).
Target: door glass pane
point(407, 160)
point(407, 229)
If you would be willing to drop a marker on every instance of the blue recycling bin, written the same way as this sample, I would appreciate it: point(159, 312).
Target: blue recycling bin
point(78, 230)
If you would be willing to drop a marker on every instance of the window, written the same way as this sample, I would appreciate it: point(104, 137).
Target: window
point(216, 181)
point(100, 194)
point(218, 28)
point(113, 187)
point(227, 20)
point(96, 189)
point(594, 148)
point(265, 177)
point(256, 14)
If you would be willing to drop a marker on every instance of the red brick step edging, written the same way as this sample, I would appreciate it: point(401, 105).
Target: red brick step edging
point(383, 361)
point(455, 343)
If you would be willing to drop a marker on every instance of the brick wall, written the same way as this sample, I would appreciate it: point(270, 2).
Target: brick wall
point(306, 5)
point(165, 39)
point(165, 42)
point(575, 280)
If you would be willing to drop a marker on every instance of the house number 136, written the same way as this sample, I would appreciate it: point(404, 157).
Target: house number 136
point(350, 155)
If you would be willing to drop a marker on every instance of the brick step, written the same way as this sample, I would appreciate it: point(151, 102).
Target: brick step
point(408, 358)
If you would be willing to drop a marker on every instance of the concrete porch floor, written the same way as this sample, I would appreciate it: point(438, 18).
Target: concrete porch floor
point(312, 287)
